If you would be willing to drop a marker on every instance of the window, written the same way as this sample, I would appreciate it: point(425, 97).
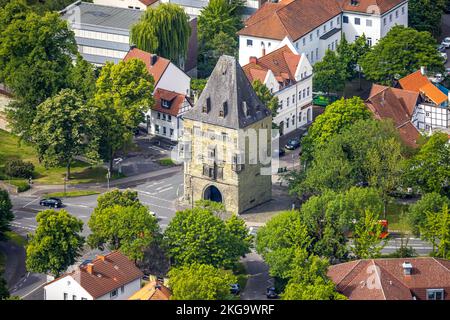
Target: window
point(304, 41)
point(114, 293)
point(169, 118)
point(310, 37)
point(122, 289)
point(165, 103)
point(307, 92)
point(164, 116)
point(390, 17)
point(317, 53)
point(318, 32)
point(293, 98)
point(171, 132)
point(224, 137)
point(369, 41)
point(357, 21)
point(74, 297)
point(304, 93)
point(324, 28)
point(159, 115)
point(262, 43)
point(287, 102)
point(65, 296)
point(312, 56)
point(345, 19)
point(164, 130)
point(396, 13)
point(338, 20)
point(300, 95)
point(356, 38)
point(281, 104)
point(293, 120)
point(384, 21)
point(300, 117)
point(307, 56)
point(368, 22)
point(403, 10)
point(269, 44)
point(156, 128)
point(287, 122)
point(331, 24)
point(249, 43)
point(435, 294)
point(82, 298)
point(332, 46)
point(296, 45)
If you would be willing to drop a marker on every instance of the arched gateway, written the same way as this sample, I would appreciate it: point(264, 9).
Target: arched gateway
point(213, 194)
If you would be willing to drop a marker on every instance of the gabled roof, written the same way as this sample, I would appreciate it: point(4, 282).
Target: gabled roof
point(152, 291)
point(228, 85)
point(148, 2)
point(156, 70)
point(293, 18)
point(175, 100)
point(397, 105)
point(296, 18)
point(384, 279)
point(282, 62)
point(109, 272)
point(368, 6)
point(418, 82)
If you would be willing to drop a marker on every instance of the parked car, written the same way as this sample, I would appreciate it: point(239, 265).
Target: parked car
point(441, 48)
point(278, 152)
point(437, 78)
point(444, 56)
point(271, 293)
point(292, 144)
point(51, 202)
point(446, 42)
point(235, 288)
point(447, 72)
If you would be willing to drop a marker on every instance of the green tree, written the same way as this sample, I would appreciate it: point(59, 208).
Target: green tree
point(426, 15)
point(4, 293)
point(444, 233)
point(130, 230)
point(366, 238)
point(82, 78)
point(163, 30)
point(330, 73)
point(35, 60)
point(123, 94)
point(401, 52)
point(436, 229)
point(309, 279)
point(127, 198)
point(56, 243)
point(350, 53)
point(266, 97)
point(429, 170)
point(68, 133)
point(200, 282)
point(278, 240)
point(218, 24)
point(198, 235)
point(430, 202)
point(6, 214)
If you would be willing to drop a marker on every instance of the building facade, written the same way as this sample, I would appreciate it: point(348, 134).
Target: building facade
point(288, 76)
point(316, 26)
point(226, 142)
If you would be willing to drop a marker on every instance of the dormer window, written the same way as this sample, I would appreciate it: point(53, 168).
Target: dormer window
point(165, 104)
point(207, 108)
point(223, 112)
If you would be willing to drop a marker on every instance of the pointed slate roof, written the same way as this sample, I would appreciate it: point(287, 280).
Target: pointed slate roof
point(228, 85)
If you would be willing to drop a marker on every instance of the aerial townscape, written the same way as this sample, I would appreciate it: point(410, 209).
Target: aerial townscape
point(224, 150)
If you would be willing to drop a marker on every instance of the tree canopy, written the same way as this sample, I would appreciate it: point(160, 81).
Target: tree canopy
point(430, 202)
point(426, 15)
point(266, 97)
point(200, 282)
point(330, 73)
point(163, 30)
point(399, 53)
point(56, 243)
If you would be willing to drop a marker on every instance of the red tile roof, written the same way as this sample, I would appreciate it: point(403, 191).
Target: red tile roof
point(175, 100)
point(369, 6)
point(156, 70)
point(109, 272)
point(384, 279)
point(397, 105)
point(296, 18)
point(148, 2)
point(418, 82)
point(282, 62)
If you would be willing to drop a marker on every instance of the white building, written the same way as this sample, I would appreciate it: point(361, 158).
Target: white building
point(171, 94)
point(316, 26)
point(109, 277)
point(288, 76)
point(432, 111)
point(129, 4)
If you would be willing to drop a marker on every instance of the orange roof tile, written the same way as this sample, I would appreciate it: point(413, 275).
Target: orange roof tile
point(358, 280)
point(156, 70)
point(365, 6)
point(109, 272)
point(152, 291)
point(420, 83)
point(282, 62)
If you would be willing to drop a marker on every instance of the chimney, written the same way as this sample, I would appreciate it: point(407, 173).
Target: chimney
point(423, 70)
point(407, 268)
point(263, 52)
point(253, 60)
point(90, 268)
point(153, 59)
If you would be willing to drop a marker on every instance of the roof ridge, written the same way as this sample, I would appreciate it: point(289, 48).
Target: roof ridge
point(434, 258)
point(377, 267)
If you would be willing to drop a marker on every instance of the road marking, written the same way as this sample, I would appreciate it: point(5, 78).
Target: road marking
point(77, 205)
point(151, 195)
point(31, 228)
point(168, 185)
point(164, 190)
point(30, 202)
point(154, 205)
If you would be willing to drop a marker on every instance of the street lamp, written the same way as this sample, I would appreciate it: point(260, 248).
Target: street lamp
point(108, 176)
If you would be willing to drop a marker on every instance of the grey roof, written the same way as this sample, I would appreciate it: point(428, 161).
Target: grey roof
point(330, 33)
point(97, 15)
point(229, 84)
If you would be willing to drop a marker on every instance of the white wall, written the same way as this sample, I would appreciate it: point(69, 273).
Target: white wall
point(128, 290)
point(256, 50)
point(428, 117)
point(402, 19)
point(56, 290)
point(352, 30)
point(174, 79)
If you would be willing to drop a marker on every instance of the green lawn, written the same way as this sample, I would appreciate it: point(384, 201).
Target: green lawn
point(166, 162)
point(394, 210)
point(81, 172)
point(70, 194)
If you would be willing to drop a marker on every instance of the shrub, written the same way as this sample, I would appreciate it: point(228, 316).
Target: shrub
point(19, 169)
point(22, 185)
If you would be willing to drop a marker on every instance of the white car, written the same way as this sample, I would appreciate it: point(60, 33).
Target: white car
point(438, 78)
point(444, 56)
point(446, 42)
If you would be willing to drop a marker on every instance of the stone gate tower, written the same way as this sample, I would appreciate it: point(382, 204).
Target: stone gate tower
point(226, 142)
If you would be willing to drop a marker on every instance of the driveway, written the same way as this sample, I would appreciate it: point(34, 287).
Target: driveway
point(259, 278)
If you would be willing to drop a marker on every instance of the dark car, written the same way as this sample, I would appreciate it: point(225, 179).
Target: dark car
point(279, 152)
point(235, 288)
point(51, 202)
point(292, 144)
point(271, 293)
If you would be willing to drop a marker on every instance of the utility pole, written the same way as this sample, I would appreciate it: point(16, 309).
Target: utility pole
point(108, 176)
